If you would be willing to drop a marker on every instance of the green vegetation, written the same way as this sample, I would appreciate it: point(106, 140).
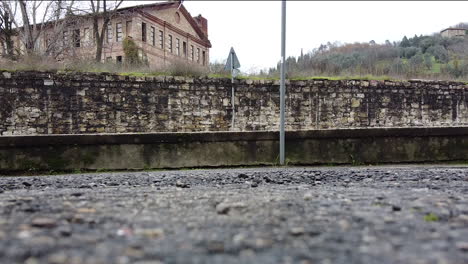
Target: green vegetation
point(431, 217)
point(420, 57)
point(131, 52)
point(428, 57)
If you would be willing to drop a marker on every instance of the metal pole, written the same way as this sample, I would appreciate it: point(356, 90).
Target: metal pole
point(232, 90)
point(282, 86)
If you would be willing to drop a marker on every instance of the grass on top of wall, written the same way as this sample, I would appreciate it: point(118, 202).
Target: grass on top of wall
point(39, 63)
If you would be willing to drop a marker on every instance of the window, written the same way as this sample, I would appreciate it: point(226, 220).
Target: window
point(177, 17)
point(65, 37)
point(161, 39)
point(47, 41)
point(170, 43)
point(184, 49)
point(203, 58)
point(118, 32)
point(152, 36)
point(76, 38)
point(119, 59)
point(198, 55)
point(178, 47)
point(143, 32)
point(109, 33)
point(86, 36)
point(192, 51)
point(129, 28)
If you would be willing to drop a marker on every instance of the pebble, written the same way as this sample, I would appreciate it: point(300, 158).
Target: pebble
point(224, 208)
point(242, 176)
point(308, 196)
point(297, 231)
point(150, 232)
point(64, 231)
point(182, 184)
point(86, 210)
point(44, 222)
point(463, 246)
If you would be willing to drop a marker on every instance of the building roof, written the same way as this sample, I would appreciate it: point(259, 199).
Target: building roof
point(450, 28)
point(166, 5)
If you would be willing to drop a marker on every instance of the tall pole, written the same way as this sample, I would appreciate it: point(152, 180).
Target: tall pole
point(282, 86)
point(232, 90)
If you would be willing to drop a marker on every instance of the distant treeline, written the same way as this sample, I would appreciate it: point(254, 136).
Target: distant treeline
point(417, 57)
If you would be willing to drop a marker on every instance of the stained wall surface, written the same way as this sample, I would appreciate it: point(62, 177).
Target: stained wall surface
point(59, 103)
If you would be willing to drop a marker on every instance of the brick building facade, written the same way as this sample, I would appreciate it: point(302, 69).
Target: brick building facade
point(164, 33)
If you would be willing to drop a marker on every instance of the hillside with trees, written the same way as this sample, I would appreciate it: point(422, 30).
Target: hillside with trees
point(430, 57)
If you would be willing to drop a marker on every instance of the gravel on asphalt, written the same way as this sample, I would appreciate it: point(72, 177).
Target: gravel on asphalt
point(388, 214)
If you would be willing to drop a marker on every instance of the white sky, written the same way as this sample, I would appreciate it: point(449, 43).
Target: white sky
point(253, 28)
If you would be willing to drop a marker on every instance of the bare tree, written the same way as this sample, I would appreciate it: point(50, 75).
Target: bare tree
point(6, 28)
point(102, 10)
point(35, 19)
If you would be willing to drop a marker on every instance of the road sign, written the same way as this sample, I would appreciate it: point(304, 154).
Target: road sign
point(232, 64)
point(232, 61)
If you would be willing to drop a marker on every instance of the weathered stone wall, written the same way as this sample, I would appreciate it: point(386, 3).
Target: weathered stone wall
point(55, 103)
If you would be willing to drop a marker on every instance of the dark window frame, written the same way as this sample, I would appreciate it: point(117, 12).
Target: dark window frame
point(143, 32)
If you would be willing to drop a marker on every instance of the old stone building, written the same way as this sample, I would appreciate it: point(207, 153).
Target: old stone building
point(164, 33)
point(453, 32)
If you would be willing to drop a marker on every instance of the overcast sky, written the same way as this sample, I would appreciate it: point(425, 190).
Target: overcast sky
point(253, 28)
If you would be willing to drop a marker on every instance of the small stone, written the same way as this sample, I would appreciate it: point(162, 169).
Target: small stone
point(125, 231)
point(86, 210)
point(64, 231)
point(238, 239)
point(27, 184)
point(44, 222)
point(224, 208)
point(77, 194)
point(463, 246)
point(308, 196)
point(297, 231)
point(58, 258)
point(31, 260)
point(215, 247)
point(24, 234)
point(243, 176)
point(254, 185)
point(150, 233)
point(263, 243)
point(77, 219)
point(181, 184)
point(148, 262)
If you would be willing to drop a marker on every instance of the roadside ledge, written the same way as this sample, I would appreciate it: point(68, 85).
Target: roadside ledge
point(216, 149)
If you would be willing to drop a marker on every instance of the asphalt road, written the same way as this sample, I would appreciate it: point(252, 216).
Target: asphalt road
point(405, 214)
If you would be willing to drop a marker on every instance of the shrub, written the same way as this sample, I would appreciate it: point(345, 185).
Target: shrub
point(131, 52)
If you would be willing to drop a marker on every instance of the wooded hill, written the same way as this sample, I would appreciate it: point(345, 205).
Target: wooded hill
point(433, 57)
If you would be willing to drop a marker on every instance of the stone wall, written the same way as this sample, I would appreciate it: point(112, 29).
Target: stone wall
point(58, 103)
